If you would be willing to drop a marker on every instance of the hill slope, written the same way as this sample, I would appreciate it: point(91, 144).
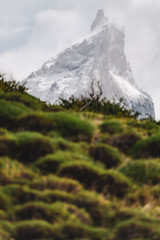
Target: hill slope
point(76, 175)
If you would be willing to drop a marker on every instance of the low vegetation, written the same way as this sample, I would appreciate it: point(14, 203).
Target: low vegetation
point(87, 169)
point(111, 157)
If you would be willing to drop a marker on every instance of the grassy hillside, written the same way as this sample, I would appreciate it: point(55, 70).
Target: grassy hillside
point(68, 174)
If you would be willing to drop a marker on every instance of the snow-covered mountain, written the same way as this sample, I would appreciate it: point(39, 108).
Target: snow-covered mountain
point(98, 59)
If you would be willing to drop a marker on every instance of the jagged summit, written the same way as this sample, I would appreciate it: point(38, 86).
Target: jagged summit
point(99, 21)
point(99, 57)
point(100, 13)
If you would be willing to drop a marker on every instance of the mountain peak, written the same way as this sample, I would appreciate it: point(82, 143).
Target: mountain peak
point(100, 13)
point(99, 21)
point(99, 57)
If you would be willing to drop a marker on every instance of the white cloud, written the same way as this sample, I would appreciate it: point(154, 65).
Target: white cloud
point(47, 38)
point(141, 3)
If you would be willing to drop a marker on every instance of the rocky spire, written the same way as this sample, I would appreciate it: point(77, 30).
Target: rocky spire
point(99, 57)
point(99, 21)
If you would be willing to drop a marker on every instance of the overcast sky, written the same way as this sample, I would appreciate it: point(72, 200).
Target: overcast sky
point(32, 31)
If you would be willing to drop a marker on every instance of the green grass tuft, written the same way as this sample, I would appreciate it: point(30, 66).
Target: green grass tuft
point(112, 126)
point(68, 125)
point(31, 146)
point(106, 154)
point(147, 148)
point(143, 172)
point(53, 182)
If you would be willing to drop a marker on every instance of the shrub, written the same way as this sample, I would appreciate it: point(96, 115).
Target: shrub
point(147, 148)
point(106, 182)
point(94, 205)
point(36, 229)
point(3, 215)
point(51, 163)
point(33, 229)
point(4, 201)
point(143, 172)
point(14, 171)
point(27, 147)
point(7, 146)
point(10, 86)
point(26, 99)
point(31, 146)
point(55, 195)
point(66, 124)
point(48, 164)
point(155, 191)
point(35, 122)
point(54, 182)
point(124, 142)
point(135, 230)
point(112, 127)
point(69, 212)
point(4, 179)
point(84, 172)
point(35, 210)
point(71, 127)
point(12, 109)
point(122, 214)
point(23, 194)
point(114, 183)
point(107, 155)
point(9, 111)
point(59, 142)
point(72, 231)
point(94, 102)
point(150, 126)
point(20, 194)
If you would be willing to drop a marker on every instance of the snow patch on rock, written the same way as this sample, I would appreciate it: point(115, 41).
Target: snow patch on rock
point(99, 58)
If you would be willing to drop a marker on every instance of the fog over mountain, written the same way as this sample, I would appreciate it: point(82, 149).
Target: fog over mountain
point(98, 60)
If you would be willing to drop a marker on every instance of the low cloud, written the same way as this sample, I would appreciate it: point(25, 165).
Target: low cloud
point(53, 30)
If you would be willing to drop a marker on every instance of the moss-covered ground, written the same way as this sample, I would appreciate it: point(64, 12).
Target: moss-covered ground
point(71, 174)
